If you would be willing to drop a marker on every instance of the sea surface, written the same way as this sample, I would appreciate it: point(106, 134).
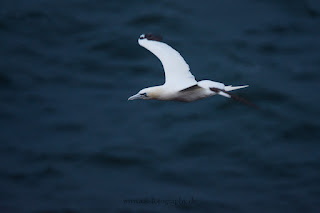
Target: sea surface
point(71, 142)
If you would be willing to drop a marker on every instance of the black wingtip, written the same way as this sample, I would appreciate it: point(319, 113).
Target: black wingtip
point(151, 36)
point(237, 98)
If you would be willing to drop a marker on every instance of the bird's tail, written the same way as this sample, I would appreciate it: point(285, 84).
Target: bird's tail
point(230, 87)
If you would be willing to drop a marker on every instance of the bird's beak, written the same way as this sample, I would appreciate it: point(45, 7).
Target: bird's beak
point(134, 97)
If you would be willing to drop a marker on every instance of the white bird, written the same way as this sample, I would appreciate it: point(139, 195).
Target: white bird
point(180, 84)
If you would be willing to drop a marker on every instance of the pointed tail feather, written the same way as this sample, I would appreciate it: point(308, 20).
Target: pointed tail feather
point(233, 96)
point(222, 93)
point(230, 87)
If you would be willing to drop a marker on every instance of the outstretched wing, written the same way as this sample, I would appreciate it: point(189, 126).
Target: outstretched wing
point(233, 96)
point(177, 71)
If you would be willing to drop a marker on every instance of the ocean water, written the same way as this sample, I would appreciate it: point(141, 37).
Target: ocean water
point(71, 142)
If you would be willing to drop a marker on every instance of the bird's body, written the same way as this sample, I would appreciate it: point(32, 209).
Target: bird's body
point(180, 84)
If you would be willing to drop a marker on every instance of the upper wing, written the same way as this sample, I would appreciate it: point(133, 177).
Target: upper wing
point(176, 70)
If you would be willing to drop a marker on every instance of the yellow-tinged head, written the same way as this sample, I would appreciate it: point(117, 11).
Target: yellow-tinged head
point(148, 93)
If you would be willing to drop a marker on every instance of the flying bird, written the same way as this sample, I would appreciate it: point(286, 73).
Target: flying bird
point(180, 84)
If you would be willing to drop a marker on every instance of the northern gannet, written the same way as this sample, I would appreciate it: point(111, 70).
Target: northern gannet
point(180, 84)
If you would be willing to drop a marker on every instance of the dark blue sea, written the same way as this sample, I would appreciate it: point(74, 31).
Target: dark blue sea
point(71, 142)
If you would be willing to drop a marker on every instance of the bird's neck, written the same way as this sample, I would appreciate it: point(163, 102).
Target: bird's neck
point(160, 92)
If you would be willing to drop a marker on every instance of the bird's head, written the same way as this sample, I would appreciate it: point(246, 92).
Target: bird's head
point(147, 93)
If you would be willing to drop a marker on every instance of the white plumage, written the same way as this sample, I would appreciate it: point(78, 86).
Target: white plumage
point(180, 84)
point(177, 71)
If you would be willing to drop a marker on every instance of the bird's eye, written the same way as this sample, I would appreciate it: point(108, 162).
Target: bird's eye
point(144, 94)
point(141, 37)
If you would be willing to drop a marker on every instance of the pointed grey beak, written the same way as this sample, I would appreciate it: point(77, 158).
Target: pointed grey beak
point(134, 97)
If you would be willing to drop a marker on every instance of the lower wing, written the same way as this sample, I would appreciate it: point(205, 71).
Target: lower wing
point(233, 96)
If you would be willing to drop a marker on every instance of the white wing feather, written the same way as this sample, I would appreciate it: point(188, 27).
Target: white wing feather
point(177, 71)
